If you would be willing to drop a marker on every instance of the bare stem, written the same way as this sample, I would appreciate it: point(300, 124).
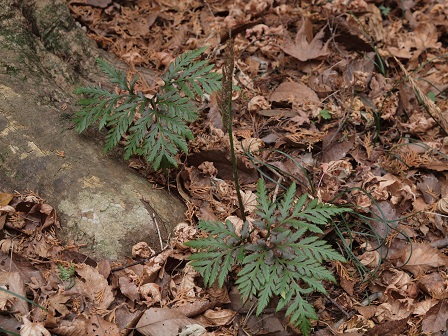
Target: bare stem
point(225, 104)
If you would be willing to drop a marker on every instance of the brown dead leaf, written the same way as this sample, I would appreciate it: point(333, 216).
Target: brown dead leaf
point(94, 286)
point(91, 325)
point(6, 299)
point(129, 288)
point(98, 3)
point(162, 322)
point(393, 310)
point(422, 258)
point(57, 303)
point(356, 324)
point(5, 198)
point(336, 148)
point(293, 91)
point(7, 208)
point(14, 283)
point(301, 48)
point(399, 282)
point(187, 284)
point(435, 319)
point(142, 250)
point(435, 285)
point(249, 200)
point(33, 329)
point(151, 293)
point(219, 317)
point(218, 295)
point(388, 328)
point(422, 307)
point(190, 309)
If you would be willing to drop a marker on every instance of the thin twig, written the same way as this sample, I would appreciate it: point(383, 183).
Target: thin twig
point(277, 185)
point(337, 305)
point(158, 230)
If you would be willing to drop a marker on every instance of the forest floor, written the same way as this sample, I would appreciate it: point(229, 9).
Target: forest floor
point(346, 98)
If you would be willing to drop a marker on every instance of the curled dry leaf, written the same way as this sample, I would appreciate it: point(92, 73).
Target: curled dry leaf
point(258, 103)
point(7, 208)
point(218, 295)
point(369, 258)
point(207, 168)
point(394, 310)
point(422, 307)
point(151, 293)
point(7, 244)
point(399, 282)
point(251, 145)
point(442, 205)
point(187, 285)
point(153, 267)
point(142, 250)
point(183, 232)
point(357, 324)
point(220, 317)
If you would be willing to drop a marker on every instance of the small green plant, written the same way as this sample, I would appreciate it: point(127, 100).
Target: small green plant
point(279, 254)
point(67, 274)
point(156, 127)
point(385, 11)
point(325, 114)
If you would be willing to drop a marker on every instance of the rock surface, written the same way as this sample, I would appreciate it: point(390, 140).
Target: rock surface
point(43, 57)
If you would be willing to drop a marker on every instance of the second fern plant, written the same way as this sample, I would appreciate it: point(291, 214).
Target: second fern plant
point(280, 255)
point(161, 130)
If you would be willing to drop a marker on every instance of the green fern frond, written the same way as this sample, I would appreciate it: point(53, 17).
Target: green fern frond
point(285, 261)
point(217, 252)
point(115, 76)
point(161, 131)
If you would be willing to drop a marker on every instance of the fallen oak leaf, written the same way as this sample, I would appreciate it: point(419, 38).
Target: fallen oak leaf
point(301, 48)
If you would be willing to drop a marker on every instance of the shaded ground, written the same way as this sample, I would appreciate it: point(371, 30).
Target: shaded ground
point(348, 99)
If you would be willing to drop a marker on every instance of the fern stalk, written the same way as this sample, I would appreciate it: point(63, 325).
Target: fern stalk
point(225, 105)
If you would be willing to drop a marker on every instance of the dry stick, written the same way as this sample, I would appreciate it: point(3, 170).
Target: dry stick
point(158, 230)
point(274, 198)
point(337, 305)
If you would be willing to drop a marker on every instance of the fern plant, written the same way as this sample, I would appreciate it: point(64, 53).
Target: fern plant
point(279, 254)
point(156, 126)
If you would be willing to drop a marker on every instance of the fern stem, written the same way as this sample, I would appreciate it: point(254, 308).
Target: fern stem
point(227, 116)
point(235, 168)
